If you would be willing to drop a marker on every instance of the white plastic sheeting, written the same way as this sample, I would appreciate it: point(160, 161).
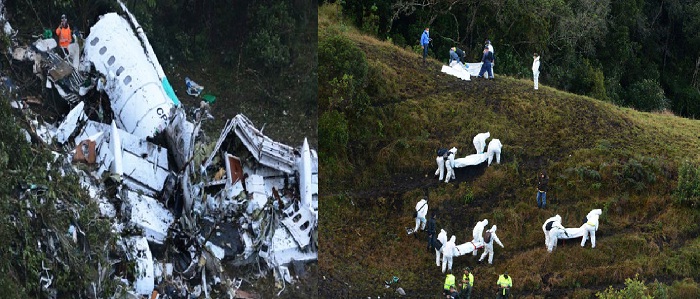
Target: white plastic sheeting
point(470, 160)
point(474, 68)
point(138, 99)
point(469, 247)
point(456, 69)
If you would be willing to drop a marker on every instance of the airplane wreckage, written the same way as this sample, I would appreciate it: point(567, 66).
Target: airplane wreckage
point(242, 198)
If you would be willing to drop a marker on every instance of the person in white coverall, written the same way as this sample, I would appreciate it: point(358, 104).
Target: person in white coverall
point(442, 237)
point(421, 212)
point(480, 142)
point(441, 167)
point(447, 254)
point(494, 149)
point(478, 231)
point(536, 69)
point(488, 247)
point(591, 226)
point(556, 231)
point(547, 226)
point(449, 165)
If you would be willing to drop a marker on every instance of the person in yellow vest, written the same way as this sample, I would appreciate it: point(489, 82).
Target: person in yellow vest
point(64, 35)
point(467, 284)
point(504, 283)
point(449, 282)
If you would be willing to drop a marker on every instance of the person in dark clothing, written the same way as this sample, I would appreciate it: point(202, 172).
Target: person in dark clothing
point(460, 53)
point(542, 181)
point(431, 232)
point(486, 59)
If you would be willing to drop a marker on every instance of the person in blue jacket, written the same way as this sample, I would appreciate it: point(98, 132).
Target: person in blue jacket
point(425, 42)
point(487, 59)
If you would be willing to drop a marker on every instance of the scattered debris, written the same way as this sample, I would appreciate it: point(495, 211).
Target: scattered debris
point(180, 204)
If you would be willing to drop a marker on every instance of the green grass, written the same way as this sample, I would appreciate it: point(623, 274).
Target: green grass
point(598, 156)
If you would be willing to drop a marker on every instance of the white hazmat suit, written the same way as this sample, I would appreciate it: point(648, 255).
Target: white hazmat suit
point(591, 226)
point(449, 165)
point(488, 247)
point(421, 211)
point(441, 167)
point(480, 142)
point(447, 254)
point(478, 231)
point(555, 233)
point(548, 223)
point(442, 237)
point(494, 149)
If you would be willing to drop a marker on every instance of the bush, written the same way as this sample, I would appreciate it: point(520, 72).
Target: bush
point(332, 133)
point(634, 289)
point(381, 81)
point(646, 95)
point(688, 189)
point(341, 60)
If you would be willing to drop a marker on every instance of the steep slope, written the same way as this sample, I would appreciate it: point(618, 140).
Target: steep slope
point(598, 156)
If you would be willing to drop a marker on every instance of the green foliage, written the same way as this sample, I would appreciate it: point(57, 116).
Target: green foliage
point(647, 95)
point(688, 189)
point(343, 65)
point(371, 22)
point(272, 28)
point(381, 82)
point(634, 289)
point(332, 134)
point(638, 173)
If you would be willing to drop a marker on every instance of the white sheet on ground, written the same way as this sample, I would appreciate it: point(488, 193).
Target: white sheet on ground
point(457, 70)
point(471, 160)
point(474, 68)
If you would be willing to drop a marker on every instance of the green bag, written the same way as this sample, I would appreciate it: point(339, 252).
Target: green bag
point(48, 33)
point(209, 98)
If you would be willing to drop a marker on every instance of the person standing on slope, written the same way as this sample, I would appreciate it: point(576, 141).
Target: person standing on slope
point(488, 244)
point(536, 69)
point(425, 42)
point(542, 182)
point(421, 212)
point(493, 56)
point(486, 61)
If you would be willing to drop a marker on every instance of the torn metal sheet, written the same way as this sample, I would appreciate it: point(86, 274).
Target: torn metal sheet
point(285, 250)
point(300, 223)
point(148, 214)
point(268, 152)
point(71, 123)
point(139, 252)
point(138, 99)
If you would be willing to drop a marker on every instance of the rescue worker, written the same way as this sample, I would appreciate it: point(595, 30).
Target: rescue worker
point(442, 238)
point(547, 226)
point(536, 70)
point(454, 57)
point(432, 226)
point(542, 182)
point(486, 60)
point(449, 283)
point(591, 226)
point(453, 294)
point(494, 149)
point(493, 56)
point(478, 230)
point(448, 254)
point(488, 246)
point(441, 163)
point(421, 212)
point(64, 35)
point(504, 283)
point(480, 142)
point(557, 231)
point(449, 164)
point(425, 42)
point(467, 284)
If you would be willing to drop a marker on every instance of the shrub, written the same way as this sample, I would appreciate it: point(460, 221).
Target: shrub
point(646, 95)
point(332, 134)
point(634, 289)
point(688, 189)
point(339, 59)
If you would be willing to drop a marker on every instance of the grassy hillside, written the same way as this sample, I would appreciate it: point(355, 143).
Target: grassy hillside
point(378, 144)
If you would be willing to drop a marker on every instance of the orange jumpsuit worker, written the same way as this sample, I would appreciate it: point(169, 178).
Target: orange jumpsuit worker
point(64, 34)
